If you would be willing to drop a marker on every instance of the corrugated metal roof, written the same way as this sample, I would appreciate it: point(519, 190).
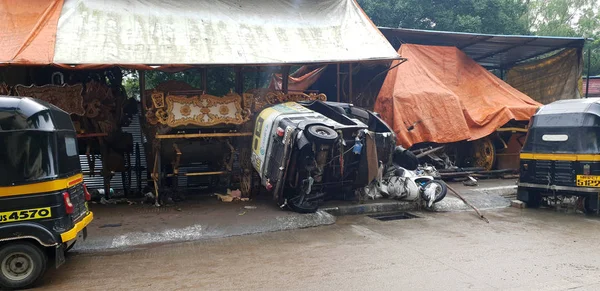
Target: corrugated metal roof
point(491, 51)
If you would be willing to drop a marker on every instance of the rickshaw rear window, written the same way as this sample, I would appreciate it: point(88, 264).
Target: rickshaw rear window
point(26, 156)
point(563, 140)
point(68, 158)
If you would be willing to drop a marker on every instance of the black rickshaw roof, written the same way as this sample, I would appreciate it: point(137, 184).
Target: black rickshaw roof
point(25, 113)
point(588, 105)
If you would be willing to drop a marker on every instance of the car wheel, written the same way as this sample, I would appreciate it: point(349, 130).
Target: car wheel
point(22, 264)
point(321, 134)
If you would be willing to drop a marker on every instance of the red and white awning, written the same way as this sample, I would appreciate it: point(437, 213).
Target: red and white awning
point(140, 33)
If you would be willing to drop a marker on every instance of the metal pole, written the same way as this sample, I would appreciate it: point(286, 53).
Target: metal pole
point(350, 99)
point(338, 82)
point(587, 81)
point(142, 84)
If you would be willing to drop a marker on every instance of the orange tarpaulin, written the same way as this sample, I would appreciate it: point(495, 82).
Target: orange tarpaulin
point(28, 30)
point(447, 97)
point(300, 80)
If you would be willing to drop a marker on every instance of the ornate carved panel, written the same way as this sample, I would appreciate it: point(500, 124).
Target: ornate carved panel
point(258, 99)
point(204, 110)
point(65, 97)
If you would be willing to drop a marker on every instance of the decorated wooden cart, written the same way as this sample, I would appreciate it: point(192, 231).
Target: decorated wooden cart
point(201, 140)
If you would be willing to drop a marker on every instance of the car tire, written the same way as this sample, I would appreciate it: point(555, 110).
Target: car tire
point(22, 265)
point(321, 134)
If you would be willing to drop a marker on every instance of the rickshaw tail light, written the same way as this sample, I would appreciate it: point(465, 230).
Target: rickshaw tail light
point(280, 132)
point(88, 196)
point(68, 205)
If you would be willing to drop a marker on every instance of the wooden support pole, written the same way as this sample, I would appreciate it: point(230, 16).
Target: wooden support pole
point(285, 79)
point(198, 174)
point(204, 79)
point(239, 80)
point(350, 98)
point(338, 82)
point(142, 84)
point(257, 78)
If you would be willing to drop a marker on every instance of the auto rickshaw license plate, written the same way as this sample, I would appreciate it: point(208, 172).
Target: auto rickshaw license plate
point(25, 214)
point(588, 181)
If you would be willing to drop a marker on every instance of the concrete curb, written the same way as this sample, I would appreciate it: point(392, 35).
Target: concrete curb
point(482, 198)
point(368, 208)
point(201, 232)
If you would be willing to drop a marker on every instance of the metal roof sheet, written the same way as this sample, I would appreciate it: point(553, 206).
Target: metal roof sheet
point(491, 51)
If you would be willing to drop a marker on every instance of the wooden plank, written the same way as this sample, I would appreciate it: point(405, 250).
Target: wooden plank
point(201, 135)
point(199, 174)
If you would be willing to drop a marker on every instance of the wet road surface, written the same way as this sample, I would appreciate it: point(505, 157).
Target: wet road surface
point(518, 250)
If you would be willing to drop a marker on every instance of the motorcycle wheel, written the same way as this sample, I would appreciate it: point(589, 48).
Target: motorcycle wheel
point(441, 191)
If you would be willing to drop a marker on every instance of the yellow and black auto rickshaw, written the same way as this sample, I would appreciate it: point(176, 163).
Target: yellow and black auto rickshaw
point(561, 155)
point(43, 208)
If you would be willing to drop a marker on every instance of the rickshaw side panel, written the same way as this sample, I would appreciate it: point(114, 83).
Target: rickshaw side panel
point(28, 230)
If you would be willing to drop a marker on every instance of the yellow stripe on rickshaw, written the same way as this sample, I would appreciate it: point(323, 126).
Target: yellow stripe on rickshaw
point(561, 157)
point(41, 187)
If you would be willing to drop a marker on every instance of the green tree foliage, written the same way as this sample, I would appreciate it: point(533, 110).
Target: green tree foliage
point(575, 18)
point(479, 16)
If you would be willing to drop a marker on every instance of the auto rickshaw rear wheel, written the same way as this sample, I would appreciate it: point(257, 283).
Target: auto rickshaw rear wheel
point(321, 134)
point(590, 204)
point(22, 265)
point(534, 199)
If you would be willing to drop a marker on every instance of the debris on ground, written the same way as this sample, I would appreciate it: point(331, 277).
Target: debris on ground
point(224, 198)
point(242, 213)
point(114, 201)
point(149, 195)
point(518, 204)
point(234, 193)
point(470, 181)
point(249, 207)
point(229, 197)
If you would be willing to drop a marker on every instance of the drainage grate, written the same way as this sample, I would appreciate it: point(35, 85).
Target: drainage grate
point(393, 216)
